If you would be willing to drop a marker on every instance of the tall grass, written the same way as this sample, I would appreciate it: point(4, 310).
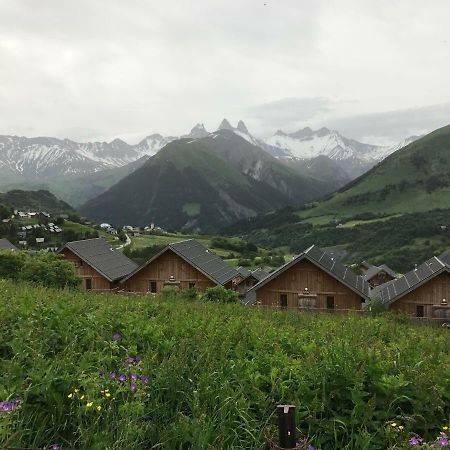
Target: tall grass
point(216, 373)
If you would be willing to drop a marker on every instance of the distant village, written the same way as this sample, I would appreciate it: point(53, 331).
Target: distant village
point(313, 280)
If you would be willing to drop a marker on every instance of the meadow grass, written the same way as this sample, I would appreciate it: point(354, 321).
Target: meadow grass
point(216, 373)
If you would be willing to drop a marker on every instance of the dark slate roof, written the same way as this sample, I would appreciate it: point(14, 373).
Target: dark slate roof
point(375, 270)
point(243, 271)
point(111, 263)
point(393, 290)
point(260, 274)
point(445, 258)
point(366, 264)
point(203, 259)
point(6, 245)
point(327, 263)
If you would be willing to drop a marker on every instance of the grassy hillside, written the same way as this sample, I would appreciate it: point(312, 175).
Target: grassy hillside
point(215, 374)
point(201, 185)
point(413, 179)
point(40, 200)
point(398, 213)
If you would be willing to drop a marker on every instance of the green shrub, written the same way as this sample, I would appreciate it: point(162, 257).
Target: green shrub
point(219, 294)
point(46, 269)
point(375, 306)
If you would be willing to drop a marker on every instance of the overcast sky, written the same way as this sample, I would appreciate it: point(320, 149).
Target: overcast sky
point(96, 69)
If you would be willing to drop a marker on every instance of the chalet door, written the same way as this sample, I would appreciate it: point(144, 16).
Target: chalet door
point(330, 304)
point(283, 300)
point(420, 311)
point(152, 287)
point(88, 284)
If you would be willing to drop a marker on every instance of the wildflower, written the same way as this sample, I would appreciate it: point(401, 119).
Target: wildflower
point(401, 427)
point(55, 447)
point(130, 360)
point(137, 359)
point(133, 376)
point(76, 391)
point(123, 378)
point(310, 447)
point(82, 397)
point(89, 404)
point(443, 441)
point(144, 379)
point(9, 406)
point(70, 395)
point(117, 336)
point(107, 394)
point(98, 408)
point(393, 424)
point(414, 440)
point(132, 387)
point(113, 375)
point(445, 428)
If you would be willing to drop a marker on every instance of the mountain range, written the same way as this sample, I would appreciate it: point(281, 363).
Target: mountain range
point(202, 185)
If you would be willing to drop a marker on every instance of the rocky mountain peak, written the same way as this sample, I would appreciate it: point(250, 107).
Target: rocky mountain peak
point(199, 131)
point(225, 125)
point(242, 127)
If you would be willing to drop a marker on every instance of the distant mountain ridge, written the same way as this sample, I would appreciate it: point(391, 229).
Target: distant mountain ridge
point(203, 184)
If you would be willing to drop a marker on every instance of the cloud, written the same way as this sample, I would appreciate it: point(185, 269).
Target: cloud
point(288, 111)
point(393, 126)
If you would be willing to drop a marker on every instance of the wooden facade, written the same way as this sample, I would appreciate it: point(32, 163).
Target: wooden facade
point(427, 299)
point(306, 285)
point(168, 269)
point(91, 279)
point(242, 285)
point(380, 278)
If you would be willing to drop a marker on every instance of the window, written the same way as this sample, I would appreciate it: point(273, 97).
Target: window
point(152, 287)
point(330, 303)
point(283, 300)
point(420, 311)
point(192, 285)
point(88, 284)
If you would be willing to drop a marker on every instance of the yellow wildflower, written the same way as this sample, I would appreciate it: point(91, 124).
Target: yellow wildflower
point(98, 408)
point(70, 396)
point(401, 427)
point(89, 404)
point(76, 391)
point(108, 395)
point(82, 397)
point(445, 428)
point(393, 424)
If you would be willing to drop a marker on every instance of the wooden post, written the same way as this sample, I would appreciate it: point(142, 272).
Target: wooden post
point(286, 426)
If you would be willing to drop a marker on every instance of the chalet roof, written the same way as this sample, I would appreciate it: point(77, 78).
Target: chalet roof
point(330, 265)
point(112, 264)
point(366, 264)
point(243, 271)
point(393, 290)
point(260, 274)
point(375, 270)
point(200, 257)
point(6, 245)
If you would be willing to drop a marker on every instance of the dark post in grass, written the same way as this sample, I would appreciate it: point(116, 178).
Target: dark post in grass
point(286, 426)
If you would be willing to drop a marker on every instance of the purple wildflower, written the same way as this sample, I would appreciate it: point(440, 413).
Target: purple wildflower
point(123, 378)
point(130, 360)
point(55, 447)
point(443, 441)
point(9, 406)
point(414, 441)
point(137, 359)
point(133, 376)
point(144, 379)
point(132, 387)
point(113, 375)
point(310, 447)
point(117, 336)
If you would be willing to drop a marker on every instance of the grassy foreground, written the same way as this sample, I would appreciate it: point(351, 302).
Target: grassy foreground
point(215, 373)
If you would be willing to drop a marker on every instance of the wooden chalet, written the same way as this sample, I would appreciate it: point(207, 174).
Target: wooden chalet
point(183, 265)
point(422, 292)
point(312, 280)
point(98, 265)
point(6, 245)
point(248, 280)
point(377, 275)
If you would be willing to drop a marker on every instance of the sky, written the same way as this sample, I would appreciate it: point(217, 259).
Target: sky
point(376, 71)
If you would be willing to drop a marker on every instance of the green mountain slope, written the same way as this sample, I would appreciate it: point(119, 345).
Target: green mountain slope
point(202, 185)
point(413, 179)
point(76, 190)
point(398, 213)
point(35, 201)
